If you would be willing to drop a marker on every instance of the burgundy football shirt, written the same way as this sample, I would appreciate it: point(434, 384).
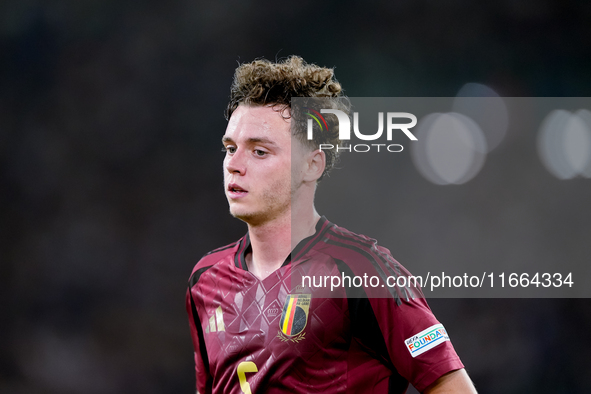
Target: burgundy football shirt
point(279, 336)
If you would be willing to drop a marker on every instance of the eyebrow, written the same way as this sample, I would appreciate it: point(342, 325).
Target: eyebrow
point(252, 140)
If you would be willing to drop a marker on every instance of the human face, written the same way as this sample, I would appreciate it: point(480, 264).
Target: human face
point(257, 166)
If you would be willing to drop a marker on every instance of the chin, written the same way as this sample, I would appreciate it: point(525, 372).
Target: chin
point(251, 218)
point(243, 215)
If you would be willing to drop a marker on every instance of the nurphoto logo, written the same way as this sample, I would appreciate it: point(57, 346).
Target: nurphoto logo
point(345, 129)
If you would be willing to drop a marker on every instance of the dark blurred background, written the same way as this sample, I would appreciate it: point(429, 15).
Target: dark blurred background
point(111, 113)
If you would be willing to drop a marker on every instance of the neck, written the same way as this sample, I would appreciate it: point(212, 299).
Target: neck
point(272, 242)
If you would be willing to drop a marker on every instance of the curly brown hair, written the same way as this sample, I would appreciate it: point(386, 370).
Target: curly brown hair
point(262, 82)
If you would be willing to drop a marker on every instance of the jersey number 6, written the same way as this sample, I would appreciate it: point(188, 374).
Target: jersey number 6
point(243, 368)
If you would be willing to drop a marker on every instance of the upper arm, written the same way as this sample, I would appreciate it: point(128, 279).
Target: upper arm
point(417, 343)
point(402, 331)
point(453, 382)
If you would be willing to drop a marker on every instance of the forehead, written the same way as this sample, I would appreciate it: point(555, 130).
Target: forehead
point(249, 122)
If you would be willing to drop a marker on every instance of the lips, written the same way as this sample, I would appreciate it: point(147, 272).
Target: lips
point(236, 191)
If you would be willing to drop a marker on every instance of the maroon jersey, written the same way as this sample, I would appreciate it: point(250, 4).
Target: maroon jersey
point(279, 335)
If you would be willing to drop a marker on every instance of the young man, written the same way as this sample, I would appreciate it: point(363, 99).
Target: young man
point(254, 327)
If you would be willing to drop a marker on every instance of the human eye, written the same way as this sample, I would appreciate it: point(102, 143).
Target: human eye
point(260, 153)
point(228, 149)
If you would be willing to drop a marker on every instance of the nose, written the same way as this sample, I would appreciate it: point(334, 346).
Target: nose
point(235, 163)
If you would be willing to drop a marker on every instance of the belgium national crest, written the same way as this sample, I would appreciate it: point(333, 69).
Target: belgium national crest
point(295, 314)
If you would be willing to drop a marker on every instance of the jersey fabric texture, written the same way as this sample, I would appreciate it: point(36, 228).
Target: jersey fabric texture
point(278, 336)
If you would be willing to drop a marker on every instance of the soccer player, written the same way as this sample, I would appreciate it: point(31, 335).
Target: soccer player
point(255, 330)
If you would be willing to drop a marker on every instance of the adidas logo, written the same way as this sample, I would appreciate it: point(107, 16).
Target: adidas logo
point(216, 322)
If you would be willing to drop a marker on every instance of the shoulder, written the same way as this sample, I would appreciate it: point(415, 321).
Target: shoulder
point(224, 254)
point(357, 255)
point(340, 241)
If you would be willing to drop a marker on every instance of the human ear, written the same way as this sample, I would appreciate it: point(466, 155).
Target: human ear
point(316, 164)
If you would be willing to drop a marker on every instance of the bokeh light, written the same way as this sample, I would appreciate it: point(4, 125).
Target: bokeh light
point(564, 143)
point(489, 111)
point(451, 148)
